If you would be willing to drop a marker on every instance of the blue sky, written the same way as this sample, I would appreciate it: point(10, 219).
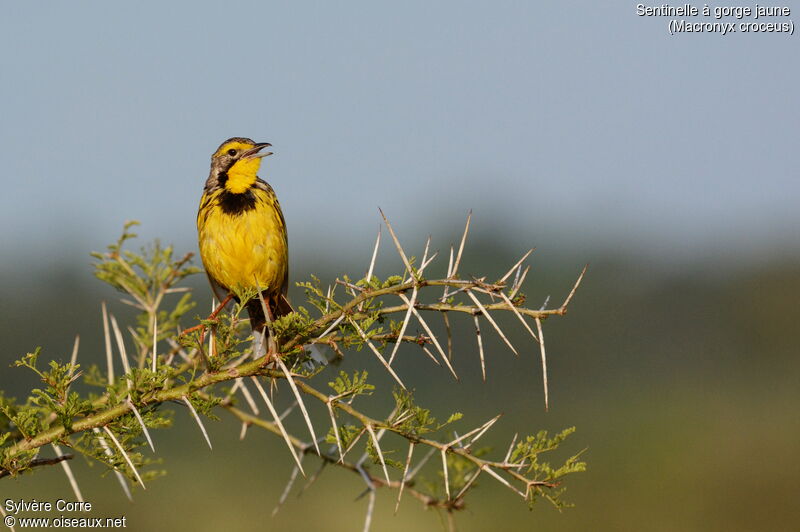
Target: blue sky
point(576, 119)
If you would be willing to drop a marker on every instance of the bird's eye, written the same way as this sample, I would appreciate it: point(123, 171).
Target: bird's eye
point(231, 152)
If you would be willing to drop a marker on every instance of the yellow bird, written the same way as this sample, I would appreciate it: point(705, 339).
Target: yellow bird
point(242, 232)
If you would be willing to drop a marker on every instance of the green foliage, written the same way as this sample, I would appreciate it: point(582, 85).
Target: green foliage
point(148, 277)
point(229, 341)
point(347, 435)
point(344, 386)
point(25, 418)
point(55, 398)
point(293, 324)
point(296, 325)
point(527, 452)
point(530, 448)
point(412, 419)
point(8, 408)
point(374, 455)
point(141, 275)
point(56, 405)
point(320, 300)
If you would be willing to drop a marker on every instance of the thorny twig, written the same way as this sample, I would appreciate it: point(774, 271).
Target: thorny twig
point(334, 328)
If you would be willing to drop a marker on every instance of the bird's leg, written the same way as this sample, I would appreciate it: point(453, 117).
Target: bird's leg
point(221, 306)
point(211, 316)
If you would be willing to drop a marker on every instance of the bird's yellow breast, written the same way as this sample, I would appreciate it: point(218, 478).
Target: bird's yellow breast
point(244, 249)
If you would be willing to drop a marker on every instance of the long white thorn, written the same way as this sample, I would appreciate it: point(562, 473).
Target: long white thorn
point(124, 454)
point(516, 278)
point(446, 475)
point(108, 452)
point(426, 262)
point(480, 345)
point(370, 269)
point(405, 476)
point(430, 355)
point(199, 422)
point(120, 344)
point(502, 480)
point(445, 293)
point(450, 266)
point(74, 358)
point(335, 430)
point(331, 327)
point(354, 442)
point(546, 301)
point(379, 451)
point(107, 336)
point(516, 312)
point(141, 422)
point(574, 288)
point(472, 479)
point(518, 283)
point(483, 428)
point(374, 256)
point(461, 246)
point(544, 362)
point(278, 422)
point(300, 402)
point(68, 472)
point(177, 290)
point(328, 300)
point(515, 266)
point(399, 341)
point(430, 335)
point(510, 448)
point(399, 247)
point(376, 352)
point(491, 320)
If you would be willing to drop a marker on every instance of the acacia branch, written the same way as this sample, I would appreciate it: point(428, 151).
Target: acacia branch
point(341, 325)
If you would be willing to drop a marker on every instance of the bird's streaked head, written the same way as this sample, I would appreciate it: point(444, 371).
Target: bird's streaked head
point(235, 163)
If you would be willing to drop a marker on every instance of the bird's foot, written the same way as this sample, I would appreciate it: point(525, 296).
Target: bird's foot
point(211, 317)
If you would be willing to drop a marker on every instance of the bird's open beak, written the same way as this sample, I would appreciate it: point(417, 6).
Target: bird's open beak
point(252, 153)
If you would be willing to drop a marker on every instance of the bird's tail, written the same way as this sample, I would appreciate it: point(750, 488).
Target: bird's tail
point(279, 306)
